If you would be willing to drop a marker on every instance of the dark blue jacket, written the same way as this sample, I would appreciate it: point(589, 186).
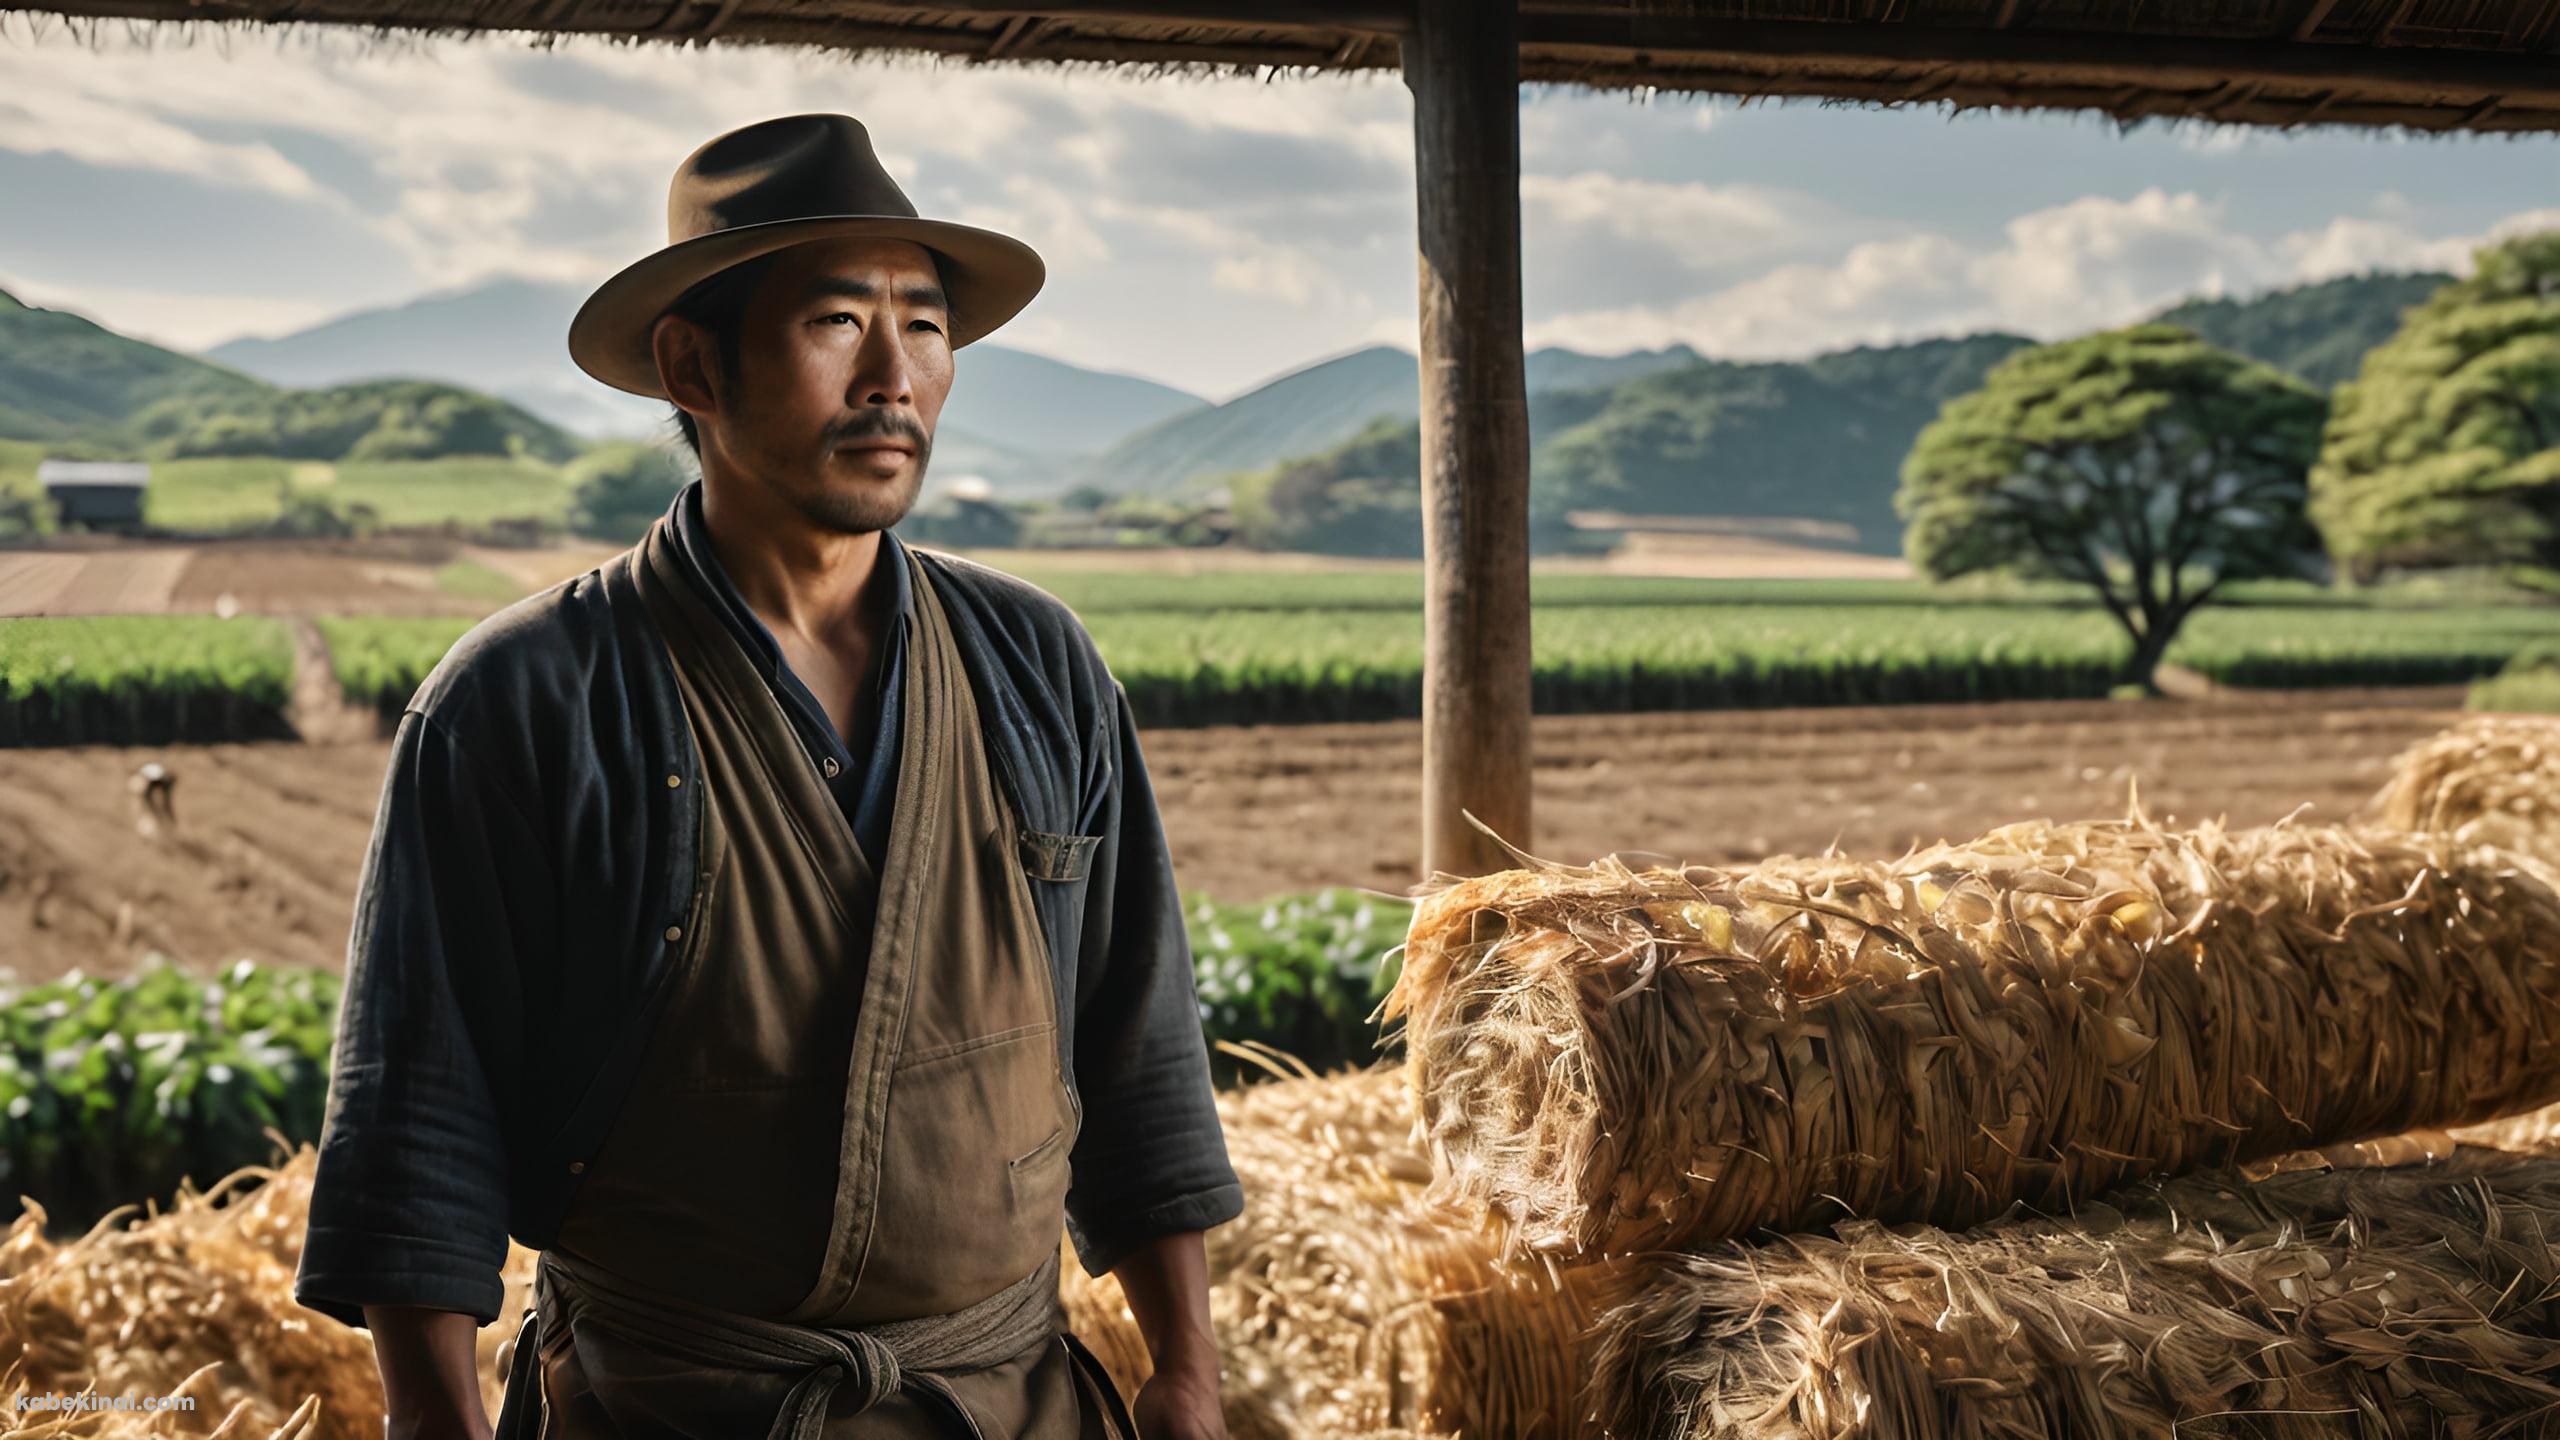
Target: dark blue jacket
point(528, 856)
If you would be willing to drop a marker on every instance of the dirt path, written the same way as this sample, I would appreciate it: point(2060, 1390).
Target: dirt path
point(114, 582)
point(271, 837)
point(319, 708)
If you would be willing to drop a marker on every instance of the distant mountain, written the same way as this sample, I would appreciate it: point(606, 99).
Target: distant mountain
point(1300, 413)
point(1036, 405)
point(1820, 439)
point(1556, 368)
point(1321, 406)
point(508, 338)
point(1026, 420)
point(64, 375)
point(2319, 332)
point(76, 386)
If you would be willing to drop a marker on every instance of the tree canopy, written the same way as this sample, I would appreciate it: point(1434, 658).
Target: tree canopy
point(2445, 449)
point(617, 489)
point(2143, 463)
point(368, 420)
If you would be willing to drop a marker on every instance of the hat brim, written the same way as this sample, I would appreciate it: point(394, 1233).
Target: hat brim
point(989, 277)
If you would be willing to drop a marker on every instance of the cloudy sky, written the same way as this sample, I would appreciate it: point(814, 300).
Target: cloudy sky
point(194, 186)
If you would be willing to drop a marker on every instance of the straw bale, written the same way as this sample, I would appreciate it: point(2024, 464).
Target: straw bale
point(2492, 779)
point(201, 1296)
point(2373, 1302)
point(1349, 1303)
point(2535, 1132)
point(196, 1299)
point(1611, 1060)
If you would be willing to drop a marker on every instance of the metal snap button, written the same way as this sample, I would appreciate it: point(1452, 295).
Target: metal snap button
point(829, 766)
point(674, 780)
point(577, 1167)
point(675, 932)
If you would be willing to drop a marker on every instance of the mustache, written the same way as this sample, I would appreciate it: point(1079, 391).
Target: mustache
point(877, 425)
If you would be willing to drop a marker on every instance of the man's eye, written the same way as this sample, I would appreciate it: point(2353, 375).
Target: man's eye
point(838, 315)
point(929, 325)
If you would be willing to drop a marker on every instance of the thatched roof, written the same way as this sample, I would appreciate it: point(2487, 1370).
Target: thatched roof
point(2481, 65)
point(2430, 65)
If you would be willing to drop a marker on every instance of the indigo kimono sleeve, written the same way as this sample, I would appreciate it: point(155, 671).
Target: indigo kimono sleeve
point(409, 1202)
point(1150, 1159)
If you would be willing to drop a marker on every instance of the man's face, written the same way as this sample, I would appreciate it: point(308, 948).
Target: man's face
point(844, 360)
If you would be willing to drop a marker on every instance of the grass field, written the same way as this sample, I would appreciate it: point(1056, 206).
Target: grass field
point(466, 491)
point(233, 496)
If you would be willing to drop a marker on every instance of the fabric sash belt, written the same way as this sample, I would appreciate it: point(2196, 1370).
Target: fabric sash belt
point(875, 1360)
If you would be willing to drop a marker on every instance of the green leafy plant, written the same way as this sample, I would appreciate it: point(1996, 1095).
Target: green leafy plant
point(142, 679)
point(1299, 972)
point(2530, 683)
point(111, 1090)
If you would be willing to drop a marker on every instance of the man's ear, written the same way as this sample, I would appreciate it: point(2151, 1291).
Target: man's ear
point(687, 369)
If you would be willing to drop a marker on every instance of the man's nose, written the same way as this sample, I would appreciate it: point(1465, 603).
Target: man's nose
point(880, 374)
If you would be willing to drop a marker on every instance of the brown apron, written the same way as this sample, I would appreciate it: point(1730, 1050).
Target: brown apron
point(815, 1217)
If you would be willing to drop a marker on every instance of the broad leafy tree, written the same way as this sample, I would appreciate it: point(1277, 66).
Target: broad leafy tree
point(616, 489)
point(2445, 450)
point(2143, 463)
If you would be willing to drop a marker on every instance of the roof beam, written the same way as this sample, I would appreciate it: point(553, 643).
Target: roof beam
point(2312, 18)
point(1386, 17)
point(1633, 46)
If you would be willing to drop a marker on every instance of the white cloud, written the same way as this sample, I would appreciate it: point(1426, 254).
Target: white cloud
point(100, 132)
point(2068, 269)
point(1284, 276)
point(1695, 224)
point(2351, 245)
point(176, 319)
point(2523, 223)
point(1207, 231)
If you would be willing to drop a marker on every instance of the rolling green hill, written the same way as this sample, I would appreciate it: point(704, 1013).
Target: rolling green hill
point(2319, 332)
point(81, 388)
point(1323, 405)
point(63, 376)
point(1821, 439)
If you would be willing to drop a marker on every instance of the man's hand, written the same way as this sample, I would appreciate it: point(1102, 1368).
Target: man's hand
point(430, 1373)
point(1180, 1404)
point(1167, 1282)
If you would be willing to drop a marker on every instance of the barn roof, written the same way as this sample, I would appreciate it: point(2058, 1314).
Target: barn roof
point(2475, 65)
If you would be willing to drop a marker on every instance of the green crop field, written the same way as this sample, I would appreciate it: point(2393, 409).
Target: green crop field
point(1215, 649)
point(380, 659)
point(142, 678)
point(1236, 648)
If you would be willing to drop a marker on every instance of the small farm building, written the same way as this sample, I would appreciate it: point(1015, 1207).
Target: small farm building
point(96, 494)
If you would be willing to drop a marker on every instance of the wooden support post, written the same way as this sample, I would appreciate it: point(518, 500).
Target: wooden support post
point(1463, 65)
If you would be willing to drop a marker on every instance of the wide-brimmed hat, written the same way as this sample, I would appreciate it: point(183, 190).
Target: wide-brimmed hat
point(776, 183)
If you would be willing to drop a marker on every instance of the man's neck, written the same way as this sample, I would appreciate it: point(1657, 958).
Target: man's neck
point(803, 580)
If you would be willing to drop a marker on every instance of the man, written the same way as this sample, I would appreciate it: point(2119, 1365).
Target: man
point(773, 925)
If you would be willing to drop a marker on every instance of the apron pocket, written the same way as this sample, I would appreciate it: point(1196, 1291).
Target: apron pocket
point(1047, 856)
point(1039, 1179)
